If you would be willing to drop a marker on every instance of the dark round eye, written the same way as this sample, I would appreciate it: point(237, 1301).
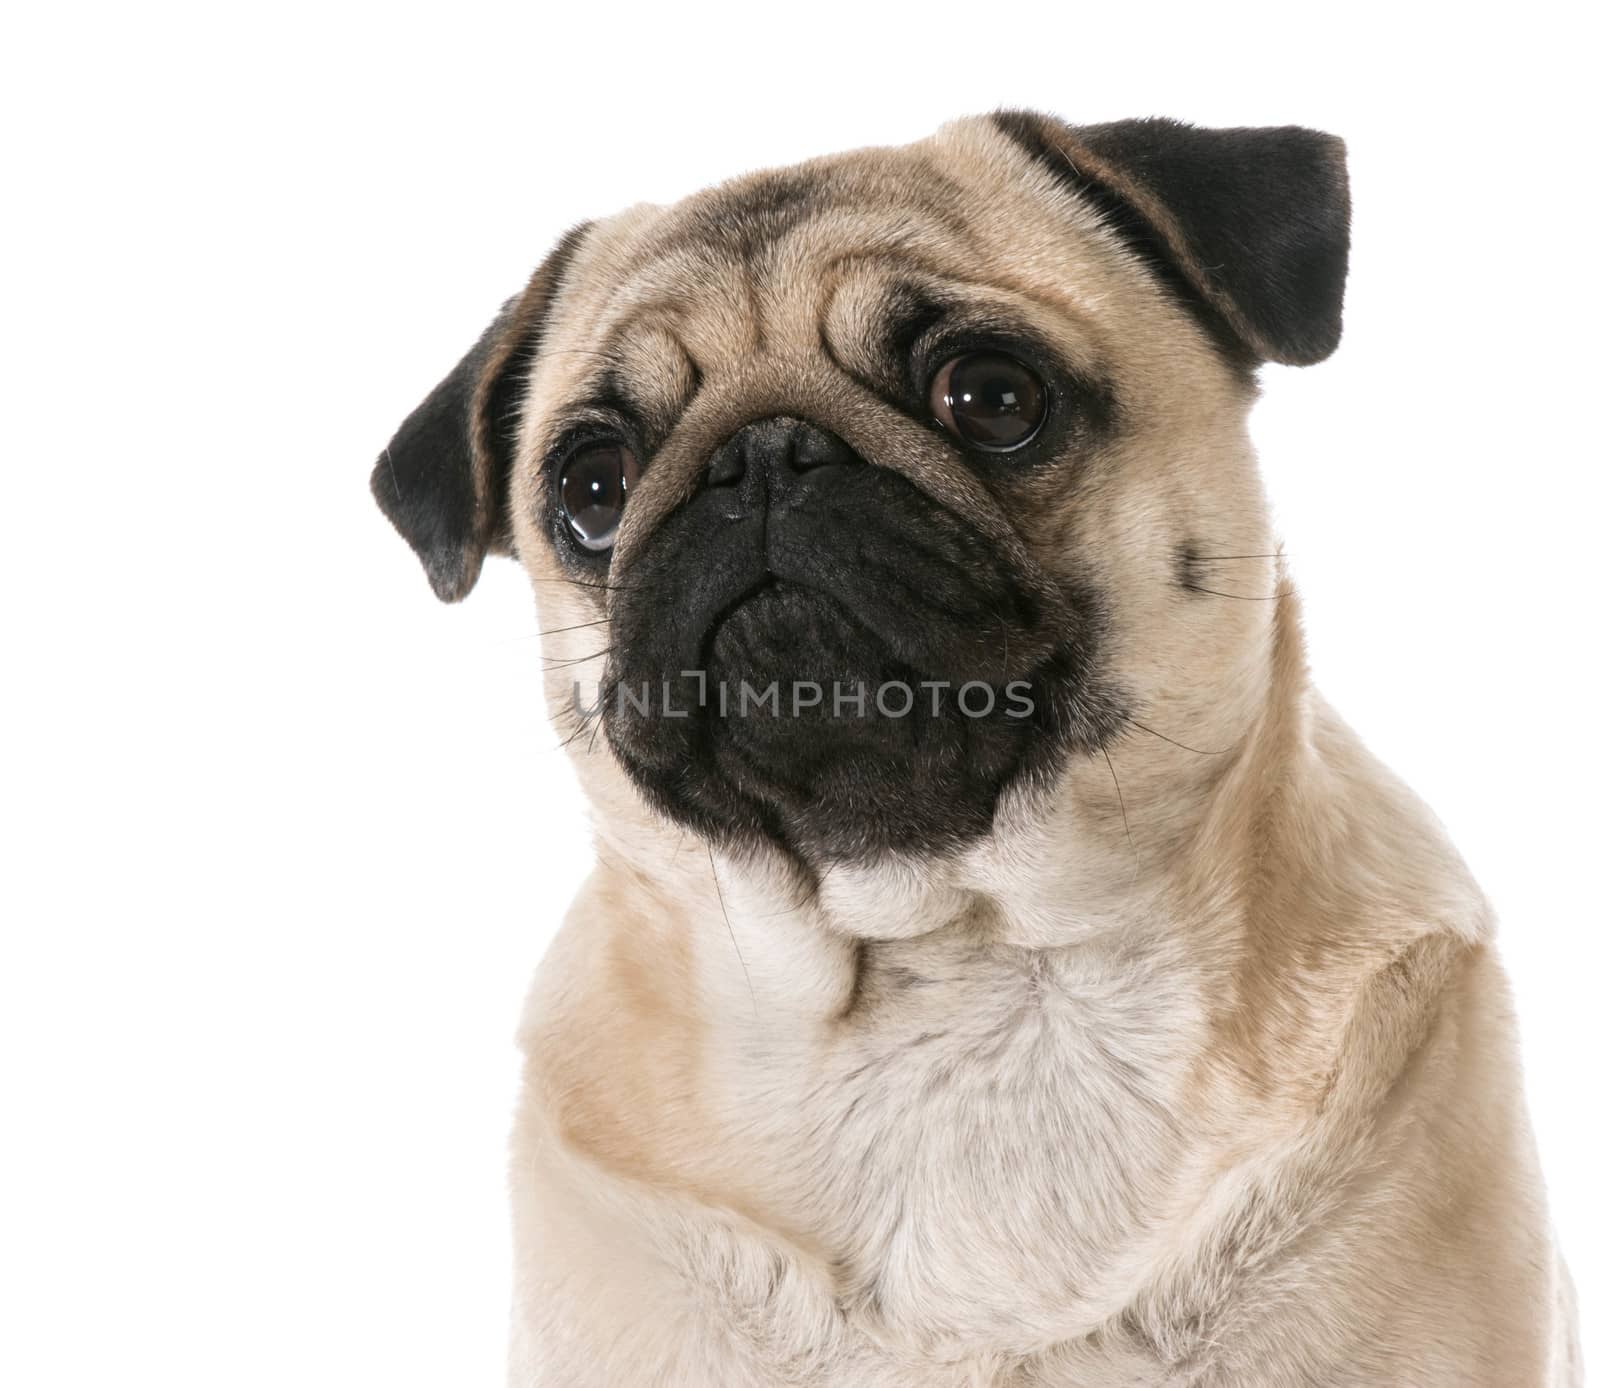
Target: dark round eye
point(595, 482)
point(989, 400)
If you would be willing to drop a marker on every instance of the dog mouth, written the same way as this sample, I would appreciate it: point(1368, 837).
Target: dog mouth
point(852, 677)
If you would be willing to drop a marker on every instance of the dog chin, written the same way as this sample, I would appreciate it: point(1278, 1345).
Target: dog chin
point(801, 727)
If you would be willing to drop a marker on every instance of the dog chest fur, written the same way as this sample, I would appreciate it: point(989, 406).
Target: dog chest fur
point(973, 1095)
point(986, 1148)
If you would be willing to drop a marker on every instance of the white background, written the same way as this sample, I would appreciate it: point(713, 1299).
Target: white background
point(284, 837)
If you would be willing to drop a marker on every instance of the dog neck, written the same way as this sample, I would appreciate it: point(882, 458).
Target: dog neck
point(1077, 867)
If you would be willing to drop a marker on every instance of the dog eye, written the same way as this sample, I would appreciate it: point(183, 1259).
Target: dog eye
point(594, 488)
point(989, 400)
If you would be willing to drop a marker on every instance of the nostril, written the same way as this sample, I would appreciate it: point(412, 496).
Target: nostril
point(815, 447)
point(774, 453)
point(727, 467)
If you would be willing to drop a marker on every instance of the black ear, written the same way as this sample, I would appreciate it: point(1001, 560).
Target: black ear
point(442, 479)
point(1249, 227)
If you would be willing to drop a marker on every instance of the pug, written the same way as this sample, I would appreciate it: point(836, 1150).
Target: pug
point(999, 966)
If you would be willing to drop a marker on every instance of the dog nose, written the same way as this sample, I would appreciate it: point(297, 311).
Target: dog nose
point(777, 452)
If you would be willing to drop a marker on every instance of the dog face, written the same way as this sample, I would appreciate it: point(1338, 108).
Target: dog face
point(866, 498)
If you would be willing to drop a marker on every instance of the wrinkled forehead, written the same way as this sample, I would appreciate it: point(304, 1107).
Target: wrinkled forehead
point(764, 248)
point(751, 266)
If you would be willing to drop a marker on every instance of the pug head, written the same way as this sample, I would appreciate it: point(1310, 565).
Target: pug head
point(869, 500)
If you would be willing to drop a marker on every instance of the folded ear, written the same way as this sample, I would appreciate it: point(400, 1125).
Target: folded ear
point(442, 479)
point(1249, 227)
